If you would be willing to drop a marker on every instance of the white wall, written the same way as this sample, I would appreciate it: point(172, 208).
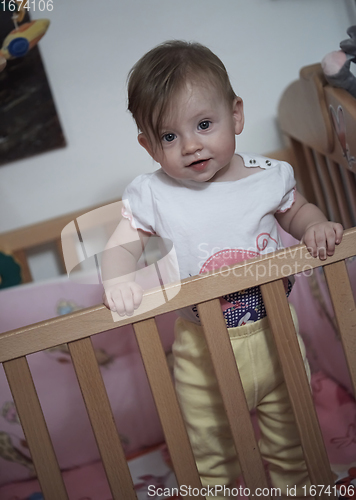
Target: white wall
point(88, 51)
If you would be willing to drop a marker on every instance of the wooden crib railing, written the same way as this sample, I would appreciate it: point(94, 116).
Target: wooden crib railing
point(320, 123)
point(77, 328)
point(19, 242)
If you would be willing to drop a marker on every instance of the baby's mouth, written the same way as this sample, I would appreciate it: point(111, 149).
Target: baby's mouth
point(198, 162)
point(199, 165)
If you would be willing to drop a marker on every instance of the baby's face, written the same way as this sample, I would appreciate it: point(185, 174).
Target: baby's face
point(198, 135)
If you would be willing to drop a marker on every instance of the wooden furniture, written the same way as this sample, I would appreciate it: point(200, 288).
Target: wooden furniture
point(320, 123)
point(314, 146)
point(19, 241)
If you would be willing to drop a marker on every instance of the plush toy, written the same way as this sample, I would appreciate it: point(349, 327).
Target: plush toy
point(336, 65)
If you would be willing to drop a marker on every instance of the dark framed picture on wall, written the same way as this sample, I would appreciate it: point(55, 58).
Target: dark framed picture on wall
point(29, 123)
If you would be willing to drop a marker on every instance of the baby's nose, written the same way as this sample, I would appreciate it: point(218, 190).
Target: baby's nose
point(191, 144)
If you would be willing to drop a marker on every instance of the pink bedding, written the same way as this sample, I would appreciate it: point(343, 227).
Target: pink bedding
point(131, 400)
point(317, 324)
point(89, 481)
point(336, 411)
point(119, 359)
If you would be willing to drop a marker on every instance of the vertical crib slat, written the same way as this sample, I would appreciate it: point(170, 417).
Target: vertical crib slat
point(102, 420)
point(58, 246)
point(340, 194)
point(35, 429)
point(350, 188)
point(230, 384)
point(344, 307)
point(21, 257)
point(302, 174)
point(282, 326)
point(334, 212)
point(312, 169)
point(160, 380)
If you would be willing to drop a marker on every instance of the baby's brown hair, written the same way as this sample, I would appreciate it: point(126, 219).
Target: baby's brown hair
point(163, 71)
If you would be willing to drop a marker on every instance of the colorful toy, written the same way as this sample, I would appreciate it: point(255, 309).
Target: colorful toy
point(19, 41)
point(23, 38)
point(336, 65)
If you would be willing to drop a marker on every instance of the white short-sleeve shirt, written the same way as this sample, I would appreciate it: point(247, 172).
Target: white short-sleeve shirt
point(212, 224)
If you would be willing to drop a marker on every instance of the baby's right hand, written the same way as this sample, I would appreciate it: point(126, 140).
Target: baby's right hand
point(123, 298)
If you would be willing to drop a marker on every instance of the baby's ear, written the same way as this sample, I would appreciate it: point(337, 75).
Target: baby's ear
point(145, 143)
point(238, 115)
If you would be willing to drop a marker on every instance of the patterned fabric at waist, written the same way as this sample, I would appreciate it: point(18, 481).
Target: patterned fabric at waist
point(246, 306)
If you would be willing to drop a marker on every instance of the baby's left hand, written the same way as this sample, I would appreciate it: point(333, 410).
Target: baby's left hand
point(321, 238)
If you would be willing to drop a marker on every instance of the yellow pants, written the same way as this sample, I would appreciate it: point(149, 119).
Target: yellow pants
point(265, 390)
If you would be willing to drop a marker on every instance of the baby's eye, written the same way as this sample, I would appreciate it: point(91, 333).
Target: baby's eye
point(204, 125)
point(168, 137)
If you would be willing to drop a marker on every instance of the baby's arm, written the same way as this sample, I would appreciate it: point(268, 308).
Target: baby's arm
point(306, 222)
point(119, 264)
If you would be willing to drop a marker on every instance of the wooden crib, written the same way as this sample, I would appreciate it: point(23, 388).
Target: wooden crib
point(325, 171)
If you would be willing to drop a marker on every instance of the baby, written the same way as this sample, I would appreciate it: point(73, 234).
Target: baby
point(206, 198)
